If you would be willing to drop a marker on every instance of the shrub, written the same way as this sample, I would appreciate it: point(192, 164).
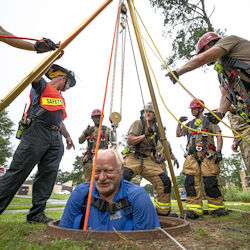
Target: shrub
point(236, 194)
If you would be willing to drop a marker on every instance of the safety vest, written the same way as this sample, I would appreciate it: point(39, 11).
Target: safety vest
point(194, 148)
point(52, 100)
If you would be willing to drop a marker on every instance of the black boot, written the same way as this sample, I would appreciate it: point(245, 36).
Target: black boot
point(169, 214)
point(220, 212)
point(191, 215)
point(39, 218)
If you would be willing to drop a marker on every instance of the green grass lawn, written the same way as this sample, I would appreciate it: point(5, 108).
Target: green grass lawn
point(25, 203)
point(15, 233)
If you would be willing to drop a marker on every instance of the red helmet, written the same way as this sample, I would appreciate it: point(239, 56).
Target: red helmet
point(96, 112)
point(196, 104)
point(205, 39)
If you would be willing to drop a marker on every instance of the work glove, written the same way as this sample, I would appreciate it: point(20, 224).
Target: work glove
point(149, 132)
point(171, 76)
point(218, 156)
point(183, 118)
point(176, 163)
point(89, 130)
point(213, 119)
point(45, 45)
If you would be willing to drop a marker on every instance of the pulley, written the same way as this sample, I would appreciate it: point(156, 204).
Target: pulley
point(123, 9)
point(115, 118)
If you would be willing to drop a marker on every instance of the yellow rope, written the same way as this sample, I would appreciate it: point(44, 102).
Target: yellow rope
point(203, 132)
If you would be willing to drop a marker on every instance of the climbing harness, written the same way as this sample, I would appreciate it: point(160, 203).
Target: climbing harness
point(88, 155)
point(203, 147)
point(226, 82)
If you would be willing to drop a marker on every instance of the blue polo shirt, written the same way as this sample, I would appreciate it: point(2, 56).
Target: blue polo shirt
point(142, 217)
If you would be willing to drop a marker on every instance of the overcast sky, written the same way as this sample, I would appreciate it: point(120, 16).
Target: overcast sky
point(88, 56)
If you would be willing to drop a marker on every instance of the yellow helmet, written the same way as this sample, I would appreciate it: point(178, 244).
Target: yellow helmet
point(57, 70)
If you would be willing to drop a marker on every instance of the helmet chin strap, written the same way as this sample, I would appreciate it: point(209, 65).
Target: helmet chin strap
point(200, 111)
point(66, 79)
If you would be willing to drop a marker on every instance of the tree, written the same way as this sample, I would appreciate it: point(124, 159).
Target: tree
point(180, 179)
point(62, 177)
point(230, 170)
point(149, 188)
point(5, 133)
point(76, 173)
point(123, 142)
point(186, 21)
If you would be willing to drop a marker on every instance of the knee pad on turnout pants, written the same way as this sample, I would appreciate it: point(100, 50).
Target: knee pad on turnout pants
point(211, 186)
point(189, 185)
point(166, 182)
point(127, 174)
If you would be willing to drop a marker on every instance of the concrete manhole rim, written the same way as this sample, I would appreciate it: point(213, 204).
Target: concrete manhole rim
point(174, 226)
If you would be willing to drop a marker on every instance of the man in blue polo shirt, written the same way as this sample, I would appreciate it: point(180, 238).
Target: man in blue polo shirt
point(115, 204)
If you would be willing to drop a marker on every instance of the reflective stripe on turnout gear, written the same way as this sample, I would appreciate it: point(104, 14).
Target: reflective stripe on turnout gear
point(163, 205)
point(212, 207)
point(195, 208)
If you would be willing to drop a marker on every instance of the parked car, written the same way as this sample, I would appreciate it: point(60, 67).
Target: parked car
point(64, 192)
point(183, 194)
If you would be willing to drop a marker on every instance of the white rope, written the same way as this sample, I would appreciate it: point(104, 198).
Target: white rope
point(136, 67)
point(124, 33)
point(172, 238)
point(115, 59)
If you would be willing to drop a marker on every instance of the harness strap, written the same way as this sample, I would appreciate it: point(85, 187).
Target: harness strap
point(112, 207)
point(229, 63)
point(156, 137)
point(205, 123)
point(104, 206)
point(92, 139)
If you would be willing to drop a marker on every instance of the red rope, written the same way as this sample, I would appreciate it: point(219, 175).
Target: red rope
point(23, 38)
point(86, 219)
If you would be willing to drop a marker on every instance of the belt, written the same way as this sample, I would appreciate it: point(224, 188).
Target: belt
point(141, 155)
point(48, 125)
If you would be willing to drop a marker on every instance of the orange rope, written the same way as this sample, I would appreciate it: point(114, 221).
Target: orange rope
point(23, 38)
point(86, 219)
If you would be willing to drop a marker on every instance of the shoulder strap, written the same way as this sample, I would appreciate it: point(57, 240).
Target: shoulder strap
point(191, 125)
point(142, 133)
point(229, 63)
point(104, 129)
point(112, 207)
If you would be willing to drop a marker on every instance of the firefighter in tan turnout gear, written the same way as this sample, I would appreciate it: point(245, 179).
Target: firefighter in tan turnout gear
point(90, 134)
point(139, 158)
point(202, 162)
